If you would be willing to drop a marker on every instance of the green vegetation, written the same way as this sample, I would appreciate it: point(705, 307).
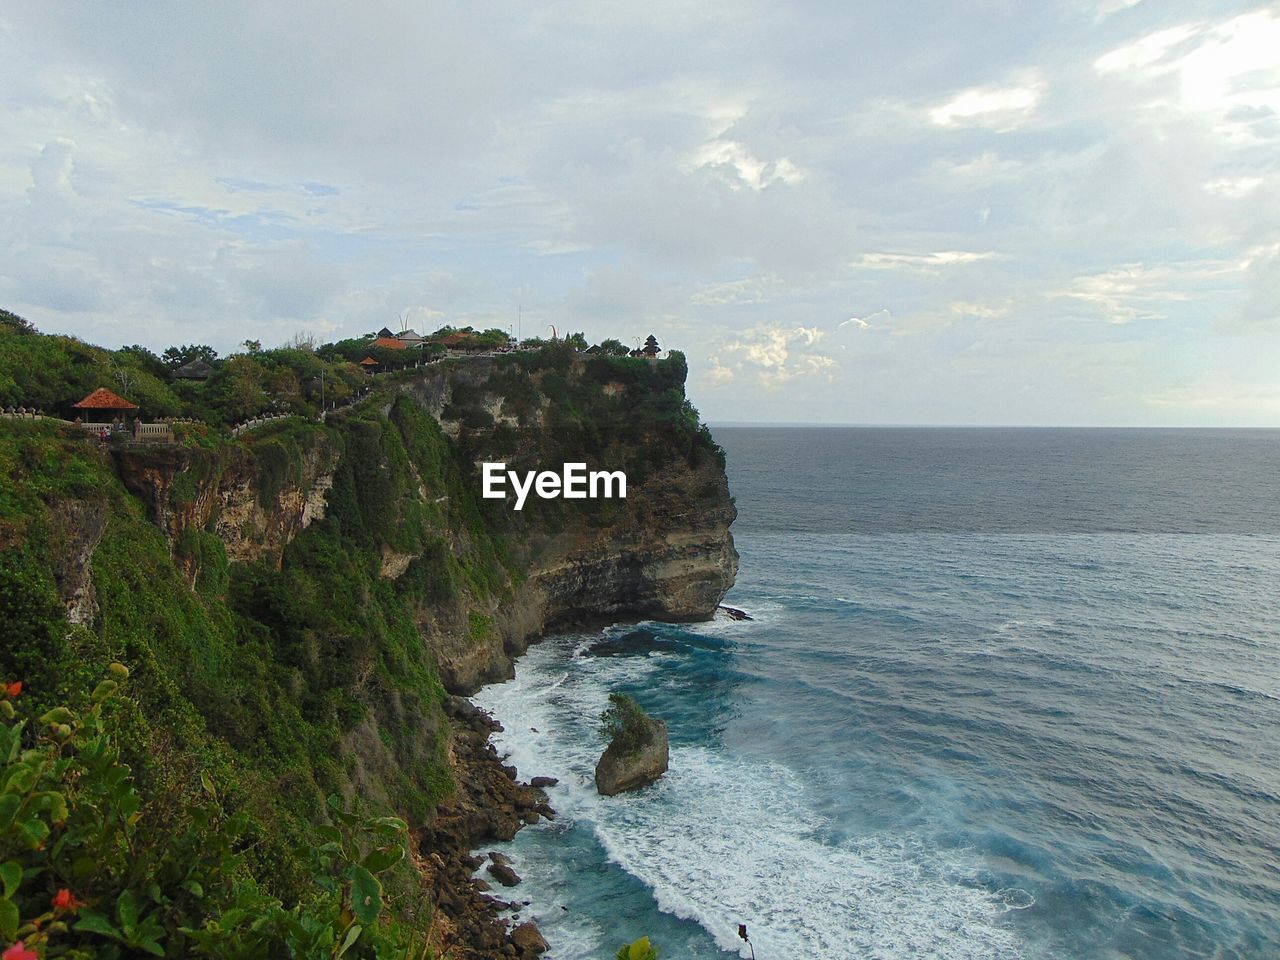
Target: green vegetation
point(642, 949)
point(625, 724)
point(261, 675)
point(85, 872)
point(271, 668)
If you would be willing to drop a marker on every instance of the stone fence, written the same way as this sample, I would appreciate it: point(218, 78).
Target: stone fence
point(23, 413)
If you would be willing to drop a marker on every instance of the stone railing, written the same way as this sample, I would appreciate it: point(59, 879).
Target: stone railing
point(23, 413)
point(257, 422)
point(152, 432)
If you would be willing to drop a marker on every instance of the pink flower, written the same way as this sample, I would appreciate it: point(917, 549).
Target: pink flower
point(64, 899)
point(19, 952)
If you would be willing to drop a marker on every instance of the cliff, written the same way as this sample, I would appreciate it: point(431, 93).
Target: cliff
point(664, 553)
point(295, 605)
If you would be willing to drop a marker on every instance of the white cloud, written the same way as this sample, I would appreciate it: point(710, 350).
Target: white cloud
point(1228, 71)
point(868, 322)
point(1142, 291)
point(999, 108)
point(922, 261)
point(742, 168)
point(1147, 51)
point(776, 354)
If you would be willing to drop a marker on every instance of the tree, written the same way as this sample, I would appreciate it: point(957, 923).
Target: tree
point(625, 724)
point(144, 359)
point(175, 357)
point(577, 340)
point(12, 323)
point(614, 348)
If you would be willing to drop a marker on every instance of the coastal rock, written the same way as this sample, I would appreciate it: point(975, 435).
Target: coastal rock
point(619, 770)
point(482, 808)
point(540, 782)
point(502, 872)
point(528, 940)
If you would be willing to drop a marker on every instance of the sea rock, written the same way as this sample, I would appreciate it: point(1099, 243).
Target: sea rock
point(619, 771)
point(528, 940)
point(501, 871)
point(540, 782)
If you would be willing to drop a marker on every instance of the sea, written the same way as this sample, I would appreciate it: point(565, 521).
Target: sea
point(1006, 693)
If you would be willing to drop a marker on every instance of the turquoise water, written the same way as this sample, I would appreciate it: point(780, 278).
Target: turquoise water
point(979, 713)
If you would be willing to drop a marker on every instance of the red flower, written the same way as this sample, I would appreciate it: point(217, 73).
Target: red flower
point(19, 952)
point(64, 899)
point(12, 690)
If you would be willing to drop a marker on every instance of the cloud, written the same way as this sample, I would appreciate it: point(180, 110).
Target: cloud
point(742, 169)
point(872, 235)
point(922, 261)
point(1228, 71)
point(998, 108)
point(775, 355)
point(869, 322)
point(1143, 291)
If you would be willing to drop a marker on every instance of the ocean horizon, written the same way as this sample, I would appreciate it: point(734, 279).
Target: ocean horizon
point(1007, 693)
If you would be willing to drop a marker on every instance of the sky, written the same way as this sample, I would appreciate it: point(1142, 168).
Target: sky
point(1060, 212)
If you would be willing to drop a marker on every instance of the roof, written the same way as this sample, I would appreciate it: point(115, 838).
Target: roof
point(410, 334)
point(368, 362)
point(384, 332)
point(460, 339)
point(195, 370)
point(388, 343)
point(104, 399)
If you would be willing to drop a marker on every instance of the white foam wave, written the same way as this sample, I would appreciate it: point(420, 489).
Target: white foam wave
point(722, 840)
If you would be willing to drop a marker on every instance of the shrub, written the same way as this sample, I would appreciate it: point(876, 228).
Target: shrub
point(642, 949)
point(625, 724)
point(84, 874)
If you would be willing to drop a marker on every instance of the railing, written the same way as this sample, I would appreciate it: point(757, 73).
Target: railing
point(152, 432)
point(22, 413)
point(257, 422)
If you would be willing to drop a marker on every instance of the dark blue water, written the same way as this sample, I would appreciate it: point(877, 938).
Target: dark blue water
point(1008, 694)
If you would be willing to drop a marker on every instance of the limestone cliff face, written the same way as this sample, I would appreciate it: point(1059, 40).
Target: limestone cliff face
point(664, 553)
point(671, 558)
point(226, 492)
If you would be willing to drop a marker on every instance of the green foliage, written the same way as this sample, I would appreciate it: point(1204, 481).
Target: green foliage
point(34, 631)
point(265, 675)
point(174, 357)
point(625, 724)
point(640, 950)
point(614, 348)
point(85, 871)
point(13, 323)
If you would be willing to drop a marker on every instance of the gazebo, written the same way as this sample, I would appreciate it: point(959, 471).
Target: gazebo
point(103, 401)
point(368, 363)
point(197, 369)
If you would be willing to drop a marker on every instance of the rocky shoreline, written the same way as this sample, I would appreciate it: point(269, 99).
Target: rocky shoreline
point(490, 804)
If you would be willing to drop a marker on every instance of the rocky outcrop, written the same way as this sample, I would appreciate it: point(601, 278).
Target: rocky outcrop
point(78, 526)
point(528, 939)
point(621, 769)
point(488, 804)
point(225, 492)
